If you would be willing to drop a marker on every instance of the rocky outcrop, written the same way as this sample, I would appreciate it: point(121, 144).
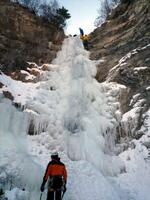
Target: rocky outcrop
point(1, 85)
point(8, 95)
point(123, 44)
point(126, 28)
point(25, 37)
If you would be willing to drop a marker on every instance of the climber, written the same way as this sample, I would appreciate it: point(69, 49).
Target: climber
point(56, 175)
point(81, 31)
point(85, 40)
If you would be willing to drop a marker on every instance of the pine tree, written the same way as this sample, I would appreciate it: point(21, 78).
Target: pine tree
point(62, 16)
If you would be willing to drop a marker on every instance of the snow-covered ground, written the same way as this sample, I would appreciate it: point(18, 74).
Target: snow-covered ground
point(75, 115)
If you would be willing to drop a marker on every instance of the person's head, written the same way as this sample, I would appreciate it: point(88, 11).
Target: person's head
point(54, 156)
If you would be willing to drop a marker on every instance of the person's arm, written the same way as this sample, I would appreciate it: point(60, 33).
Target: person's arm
point(65, 174)
point(46, 175)
point(45, 178)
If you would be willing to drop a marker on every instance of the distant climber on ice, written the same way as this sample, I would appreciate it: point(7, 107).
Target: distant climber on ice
point(56, 175)
point(85, 39)
point(81, 31)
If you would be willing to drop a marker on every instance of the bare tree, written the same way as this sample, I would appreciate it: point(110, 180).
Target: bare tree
point(48, 11)
point(26, 3)
point(104, 11)
point(54, 6)
point(34, 5)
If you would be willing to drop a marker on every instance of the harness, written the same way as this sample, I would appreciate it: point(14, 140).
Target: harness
point(56, 183)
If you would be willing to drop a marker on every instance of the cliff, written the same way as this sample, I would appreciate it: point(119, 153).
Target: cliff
point(25, 37)
point(123, 45)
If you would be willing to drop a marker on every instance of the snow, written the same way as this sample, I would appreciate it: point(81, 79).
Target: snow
point(16, 194)
point(28, 75)
point(148, 88)
point(136, 181)
point(121, 62)
point(77, 116)
point(146, 125)
point(84, 181)
point(21, 91)
point(24, 72)
point(130, 119)
point(130, 114)
point(140, 68)
point(134, 98)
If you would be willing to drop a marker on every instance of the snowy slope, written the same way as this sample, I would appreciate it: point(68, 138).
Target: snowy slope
point(72, 114)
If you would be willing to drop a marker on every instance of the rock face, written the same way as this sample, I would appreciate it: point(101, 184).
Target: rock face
point(126, 28)
point(25, 37)
point(123, 43)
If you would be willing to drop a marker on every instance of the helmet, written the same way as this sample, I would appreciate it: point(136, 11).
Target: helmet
point(54, 155)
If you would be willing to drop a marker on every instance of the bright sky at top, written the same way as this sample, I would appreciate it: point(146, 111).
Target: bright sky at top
point(83, 14)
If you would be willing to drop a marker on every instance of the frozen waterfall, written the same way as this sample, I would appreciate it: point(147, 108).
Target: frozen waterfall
point(72, 114)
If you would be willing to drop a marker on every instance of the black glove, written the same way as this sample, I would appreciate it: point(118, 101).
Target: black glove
point(42, 187)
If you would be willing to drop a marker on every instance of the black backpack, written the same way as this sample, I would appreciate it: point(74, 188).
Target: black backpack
point(56, 182)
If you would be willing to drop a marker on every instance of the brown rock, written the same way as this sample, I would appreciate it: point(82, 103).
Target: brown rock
point(8, 95)
point(35, 72)
point(25, 37)
point(17, 75)
point(128, 28)
point(32, 65)
point(45, 67)
point(1, 85)
point(125, 30)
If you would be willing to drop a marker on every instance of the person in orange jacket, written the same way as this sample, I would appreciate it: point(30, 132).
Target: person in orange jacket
point(56, 174)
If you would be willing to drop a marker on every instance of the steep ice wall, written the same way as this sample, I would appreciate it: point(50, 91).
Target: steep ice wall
point(17, 167)
point(74, 109)
point(88, 117)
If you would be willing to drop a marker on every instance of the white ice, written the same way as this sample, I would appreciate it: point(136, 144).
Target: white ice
point(73, 114)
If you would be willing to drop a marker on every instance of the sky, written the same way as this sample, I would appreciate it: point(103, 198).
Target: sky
point(83, 14)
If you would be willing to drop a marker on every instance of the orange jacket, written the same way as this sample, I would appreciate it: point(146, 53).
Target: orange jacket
point(55, 168)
